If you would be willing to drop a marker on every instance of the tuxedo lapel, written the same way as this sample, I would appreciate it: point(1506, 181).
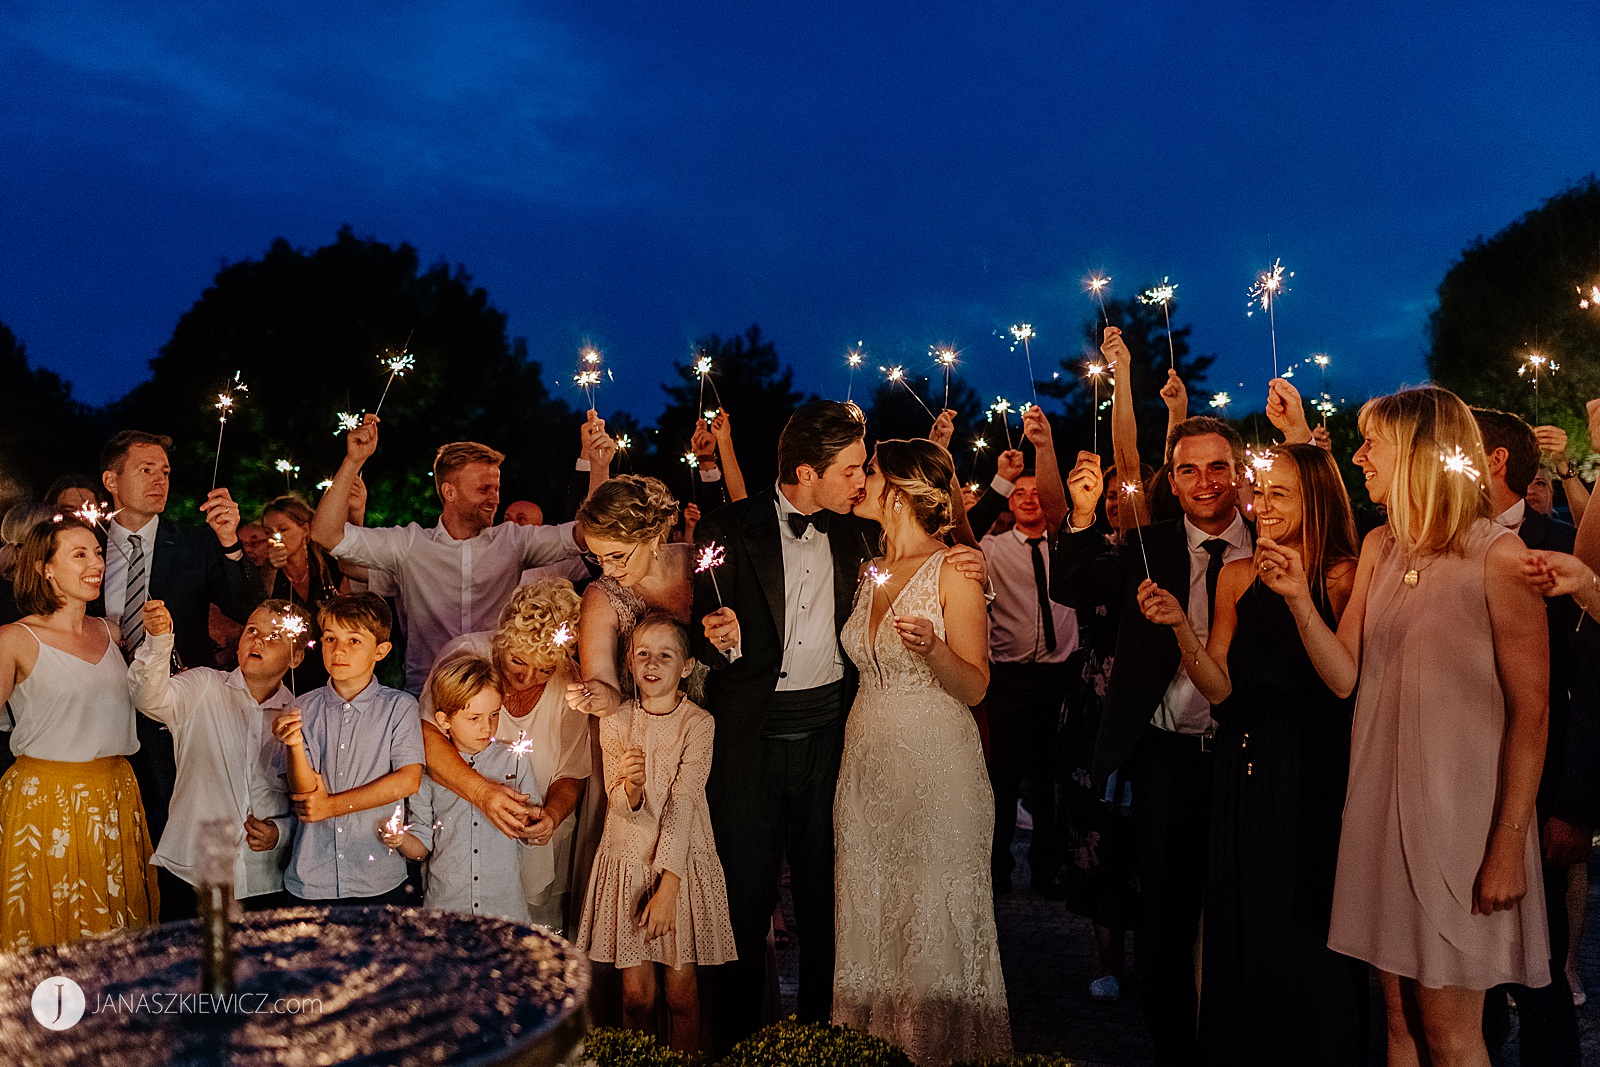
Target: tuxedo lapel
point(166, 555)
point(847, 543)
point(765, 544)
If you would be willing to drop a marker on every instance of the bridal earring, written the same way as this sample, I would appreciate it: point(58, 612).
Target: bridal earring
point(899, 505)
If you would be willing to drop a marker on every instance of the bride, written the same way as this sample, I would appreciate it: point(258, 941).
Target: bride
point(918, 961)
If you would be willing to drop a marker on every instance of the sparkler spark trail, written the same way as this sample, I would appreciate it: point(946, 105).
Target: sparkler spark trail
point(397, 364)
point(945, 356)
point(588, 376)
point(397, 822)
point(224, 406)
point(1095, 370)
point(563, 636)
point(1533, 365)
point(1269, 286)
point(898, 374)
point(1024, 332)
point(519, 748)
point(709, 559)
point(1220, 401)
point(702, 368)
point(290, 626)
point(288, 469)
point(1096, 286)
point(1129, 491)
point(1162, 294)
point(347, 422)
point(1002, 408)
point(853, 359)
point(1321, 360)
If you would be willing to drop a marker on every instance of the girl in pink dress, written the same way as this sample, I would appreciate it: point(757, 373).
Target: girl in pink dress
point(1438, 874)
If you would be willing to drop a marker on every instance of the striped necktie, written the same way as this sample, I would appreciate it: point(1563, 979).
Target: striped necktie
point(133, 605)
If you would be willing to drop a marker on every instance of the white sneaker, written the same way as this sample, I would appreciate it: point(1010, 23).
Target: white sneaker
point(1105, 988)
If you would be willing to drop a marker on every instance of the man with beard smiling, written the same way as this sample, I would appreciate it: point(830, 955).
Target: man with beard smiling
point(1156, 726)
point(454, 578)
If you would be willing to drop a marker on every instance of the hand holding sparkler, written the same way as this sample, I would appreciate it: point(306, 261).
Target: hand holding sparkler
point(362, 440)
point(1010, 464)
point(222, 515)
point(592, 698)
point(1286, 411)
point(944, 428)
point(157, 619)
point(722, 629)
point(703, 444)
point(595, 444)
point(1085, 484)
point(1115, 349)
point(1160, 606)
point(395, 828)
point(1282, 571)
point(1321, 437)
point(916, 633)
point(1176, 397)
point(1036, 430)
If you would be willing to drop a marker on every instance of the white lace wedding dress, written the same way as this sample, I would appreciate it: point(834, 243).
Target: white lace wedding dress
point(918, 959)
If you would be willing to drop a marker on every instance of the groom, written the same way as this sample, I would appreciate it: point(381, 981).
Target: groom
point(780, 687)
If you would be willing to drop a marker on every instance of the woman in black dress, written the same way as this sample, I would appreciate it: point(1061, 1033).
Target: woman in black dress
point(1272, 991)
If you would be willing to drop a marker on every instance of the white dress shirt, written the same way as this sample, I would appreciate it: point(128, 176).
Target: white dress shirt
point(114, 585)
point(450, 587)
point(1511, 518)
point(1183, 709)
point(1016, 625)
point(811, 655)
point(229, 764)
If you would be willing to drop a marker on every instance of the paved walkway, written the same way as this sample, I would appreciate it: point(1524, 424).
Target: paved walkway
point(1049, 958)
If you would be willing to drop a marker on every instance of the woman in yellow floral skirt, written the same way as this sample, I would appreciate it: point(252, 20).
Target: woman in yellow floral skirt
point(74, 846)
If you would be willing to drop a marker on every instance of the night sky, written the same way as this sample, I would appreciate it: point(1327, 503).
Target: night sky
point(902, 174)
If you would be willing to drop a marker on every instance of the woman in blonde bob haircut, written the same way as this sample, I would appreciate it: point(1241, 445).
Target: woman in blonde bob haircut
point(1444, 644)
point(1433, 499)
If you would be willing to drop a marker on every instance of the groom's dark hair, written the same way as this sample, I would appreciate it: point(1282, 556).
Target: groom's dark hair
point(815, 435)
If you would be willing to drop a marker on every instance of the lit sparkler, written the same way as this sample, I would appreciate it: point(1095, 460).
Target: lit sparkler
point(1162, 294)
point(702, 367)
point(588, 376)
point(397, 363)
point(1266, 291)
point(346, 423)
point(1096, 285)
point(291, 626)
point(1220, 401)
point(945, 356)
point(1024, 332)
point(707, 562)
point(522, 746)
point(1002, 408)
point(898, 374)
point(288, 469)
point(1095, 370)
point(563, 636)
point(852, 359)
point(1591, 300)
point(325, 485)
point(1321, 403)
point(1458, 462)
point(397, 824)
point(1533, 365)
point(224, 406)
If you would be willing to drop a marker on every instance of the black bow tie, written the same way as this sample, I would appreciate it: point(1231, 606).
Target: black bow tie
point(798, 523)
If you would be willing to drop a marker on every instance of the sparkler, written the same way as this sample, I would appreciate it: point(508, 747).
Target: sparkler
point(1458, 462)
point(1001, 407)
point(1096, 285)
point(1592, 300)
point(563, 636)
point(1535, 363)
point(879, 579)
point(898, 374)
point(519, 748)
point(693, 461)
point(291, 626)
point(853, 359)
point(397, 824)
point(1095, 371)
point(397, 363)
point(588, 375)
point(1129, 491)
point(709, 559)
point(346, 423)
point(224, 406)
point(1220, 401)
point(702, 367)
point(288, 470)
point(1268, 288)
point(1023, 331)
point(1323, 403)
point(945, 356)
point(1162, 294)
point(325, 485)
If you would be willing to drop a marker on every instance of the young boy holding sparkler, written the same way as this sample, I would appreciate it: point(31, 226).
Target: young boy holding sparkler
point(354, 750)
point(657, 894)
point(472, 867)
point(229, 766)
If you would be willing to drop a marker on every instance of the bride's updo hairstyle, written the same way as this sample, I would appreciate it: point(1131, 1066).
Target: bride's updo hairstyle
point(629, 508)
point(923, 472)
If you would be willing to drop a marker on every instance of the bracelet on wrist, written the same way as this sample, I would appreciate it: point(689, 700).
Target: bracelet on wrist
point(1515, 826)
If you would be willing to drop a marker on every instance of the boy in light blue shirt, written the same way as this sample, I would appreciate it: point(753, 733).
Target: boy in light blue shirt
point(354, 751)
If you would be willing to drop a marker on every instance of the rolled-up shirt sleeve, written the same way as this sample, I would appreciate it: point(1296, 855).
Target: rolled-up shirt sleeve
point(544, 545)
point(382, 546)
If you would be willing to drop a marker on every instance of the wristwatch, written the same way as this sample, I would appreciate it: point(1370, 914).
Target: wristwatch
point(1566, 473)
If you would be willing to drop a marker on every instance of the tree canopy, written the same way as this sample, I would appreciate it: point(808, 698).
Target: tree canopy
point(44, 433)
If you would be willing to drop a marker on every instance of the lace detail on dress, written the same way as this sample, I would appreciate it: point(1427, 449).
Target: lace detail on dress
point(918, 957)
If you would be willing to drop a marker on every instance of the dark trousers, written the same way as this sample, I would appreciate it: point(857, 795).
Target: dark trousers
point(1024, 706)
point(155, 767)
point(178, 900)
point(1172, 818)
point(781, 806)
point(404, 895)
point(1547, 1019)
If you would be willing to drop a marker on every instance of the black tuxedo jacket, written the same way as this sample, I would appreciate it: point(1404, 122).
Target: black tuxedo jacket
point(189, 573)
point(1570, 786)
point(751, 583)
point(1085, 573)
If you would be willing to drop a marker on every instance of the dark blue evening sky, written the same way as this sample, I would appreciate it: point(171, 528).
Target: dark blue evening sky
point(902, 174)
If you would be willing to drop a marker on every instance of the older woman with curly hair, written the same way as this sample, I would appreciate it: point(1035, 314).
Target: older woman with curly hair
point(532, 654)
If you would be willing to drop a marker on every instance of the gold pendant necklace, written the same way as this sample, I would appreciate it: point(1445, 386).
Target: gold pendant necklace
point(1412, 577)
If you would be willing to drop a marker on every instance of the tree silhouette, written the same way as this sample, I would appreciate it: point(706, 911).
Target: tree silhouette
point(1517, 293)
point(44, 433)
point(305, 330)
point(757, 391)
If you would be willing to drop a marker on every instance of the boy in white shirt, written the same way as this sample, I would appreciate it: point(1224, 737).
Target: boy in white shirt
point(230, 767)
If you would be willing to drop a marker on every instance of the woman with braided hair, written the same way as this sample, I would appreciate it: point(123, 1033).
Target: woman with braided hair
point(917, 951)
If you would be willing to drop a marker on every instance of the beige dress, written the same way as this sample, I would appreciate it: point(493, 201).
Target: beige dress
point(1424, 769)
point(670, 831)
point(917, 951)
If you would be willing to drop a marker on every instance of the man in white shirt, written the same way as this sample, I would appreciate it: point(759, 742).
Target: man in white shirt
point(453, 579)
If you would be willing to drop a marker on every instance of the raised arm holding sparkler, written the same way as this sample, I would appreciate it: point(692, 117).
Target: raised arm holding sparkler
point(733, 477)
point(1286, 412)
